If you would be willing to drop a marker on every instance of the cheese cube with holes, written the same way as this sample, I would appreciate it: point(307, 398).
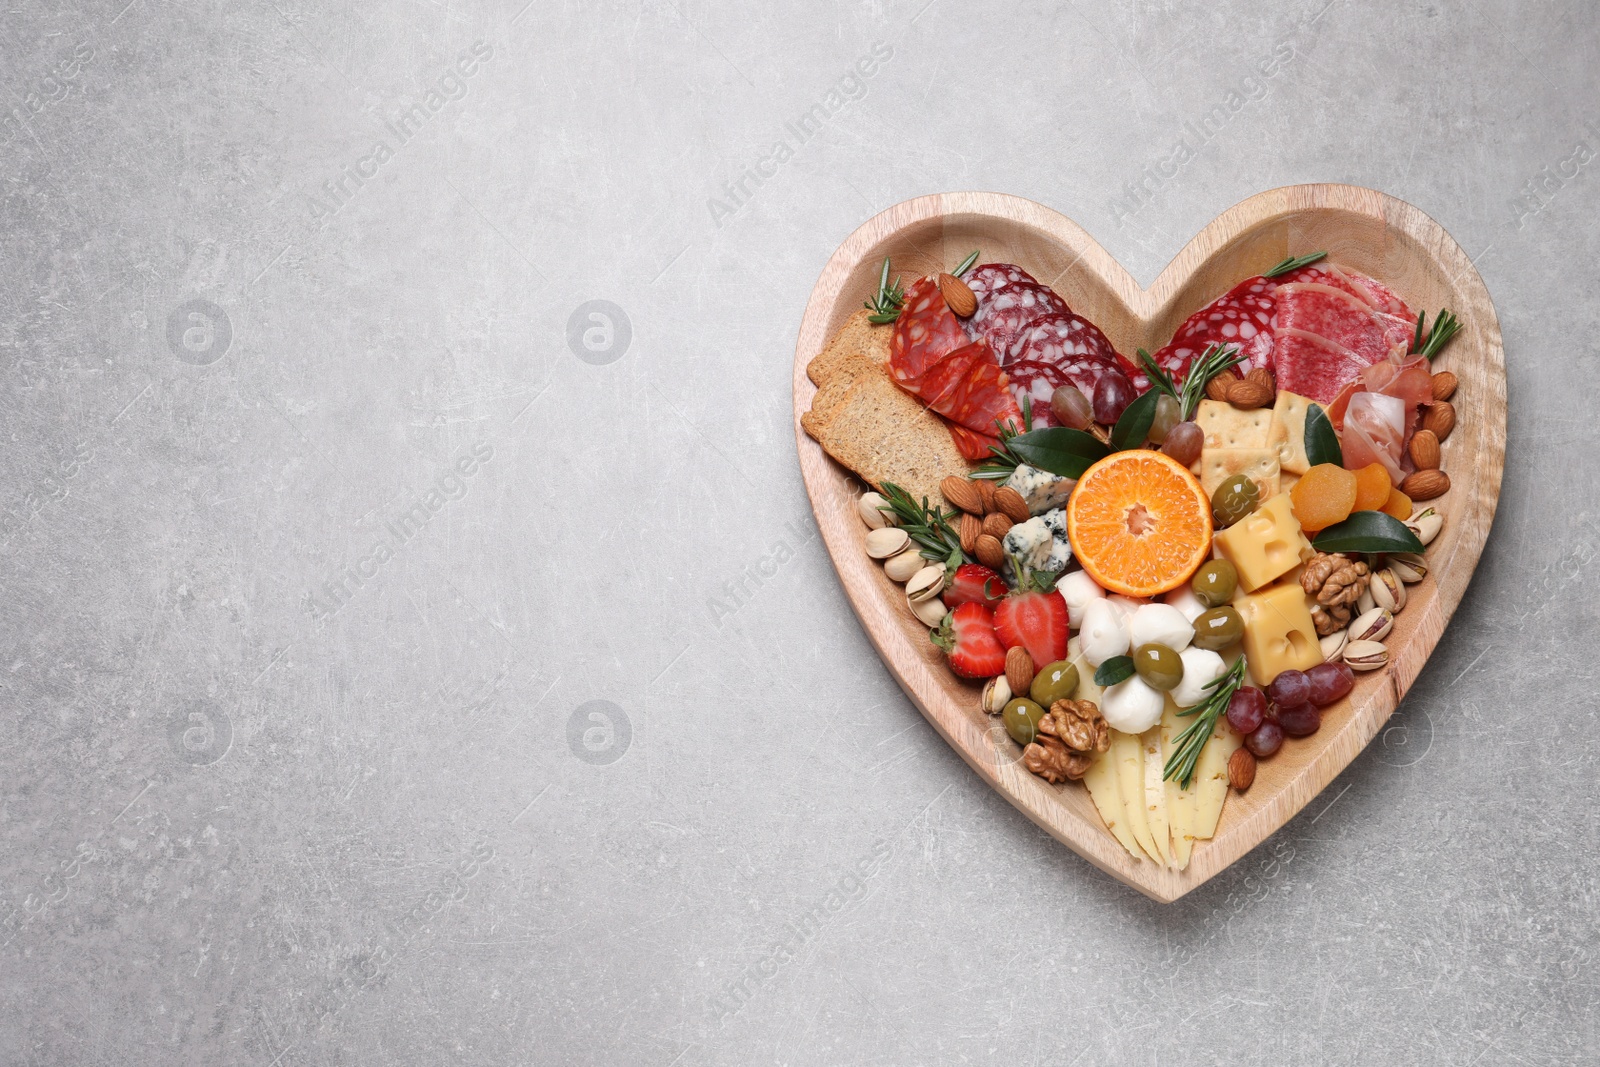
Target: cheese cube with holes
point(1265, 545)
point(1278, 631)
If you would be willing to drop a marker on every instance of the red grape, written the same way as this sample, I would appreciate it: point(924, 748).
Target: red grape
point(1165, 419)
point(1247, 709)
point(1289, 688)
point(1301, 720)
point(1071, 408)
point(1184, 442)
point(1112, 395)
point(1267, 739)
point(1330, 682)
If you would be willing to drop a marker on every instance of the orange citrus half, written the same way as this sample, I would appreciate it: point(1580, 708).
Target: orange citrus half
point(1139, 523)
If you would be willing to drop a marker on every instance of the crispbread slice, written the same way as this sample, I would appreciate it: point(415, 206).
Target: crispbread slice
point(1260, 465)
point(884, 434)
point(1288, 431)
point(1225, 426)
point(857, 345)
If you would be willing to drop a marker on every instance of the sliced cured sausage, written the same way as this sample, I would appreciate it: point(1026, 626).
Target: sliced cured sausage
point(1004, 315)
point(974, 390)
point(926, 331)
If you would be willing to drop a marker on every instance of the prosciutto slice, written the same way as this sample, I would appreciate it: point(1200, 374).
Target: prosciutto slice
point(1374, 432)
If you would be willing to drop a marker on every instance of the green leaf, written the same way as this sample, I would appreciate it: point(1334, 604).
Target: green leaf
point(1134, 425)
point(1294, 263)
point(1114, 670)
point(1367, 531)
point(1056, 449)
point(1322, 443)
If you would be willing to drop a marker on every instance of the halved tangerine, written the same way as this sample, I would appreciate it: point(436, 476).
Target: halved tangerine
point(1139, 523)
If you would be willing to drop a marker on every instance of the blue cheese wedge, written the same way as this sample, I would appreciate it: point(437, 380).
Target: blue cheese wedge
point(1029, 542)
point(1041, 490)
point(1060, 548)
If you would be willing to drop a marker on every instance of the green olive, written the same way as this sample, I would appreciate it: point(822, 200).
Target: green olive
point(1218, 628)
point(1158, 665)
point(1058, 681)
point(1215, 582)
point(1021, 717)
point(1234, 499)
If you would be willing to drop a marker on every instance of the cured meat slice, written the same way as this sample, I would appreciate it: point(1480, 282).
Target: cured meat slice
point(1073, 346)
point(1037, 381)
point(1313, 366)
point(1374, 432)
point(986, 279)
point(973, 445)
point(1242, 316)
point(976, 396)
point(1335, 314)
point(1411, 381)
point(1003, 317)
point(926, 331)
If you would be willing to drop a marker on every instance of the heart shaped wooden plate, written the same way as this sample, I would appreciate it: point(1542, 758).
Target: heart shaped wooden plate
point(1368, 231)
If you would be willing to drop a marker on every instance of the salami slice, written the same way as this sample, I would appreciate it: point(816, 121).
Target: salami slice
point(987, 279)
point(1335, 314)
point(926, 331)
point(973, 445)
point(977, 397)
point(1073, 345)
point(1242, 316)
point(1004, 315)
point(1037, 381)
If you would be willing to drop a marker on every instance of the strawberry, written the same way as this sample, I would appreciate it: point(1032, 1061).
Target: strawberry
point(1034, 617)
point(974, 583)
point(967, 636)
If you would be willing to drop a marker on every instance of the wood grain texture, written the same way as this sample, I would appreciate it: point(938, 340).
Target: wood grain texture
point(1362, 229)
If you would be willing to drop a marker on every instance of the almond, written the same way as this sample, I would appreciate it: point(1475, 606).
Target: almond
point(985, 495)
point(1241, 769)
point(1010, 503)
point(1019, 669)
point(1425, 450)
point(1426, 484)
point(1440, 417)
point(989, 551)
point(1248, 395)
point(958, 295)
point(1217, 387)
point(963, 494)
point(997, 525)
point(1262, 376)
point(1444, 385)
point(971, 527)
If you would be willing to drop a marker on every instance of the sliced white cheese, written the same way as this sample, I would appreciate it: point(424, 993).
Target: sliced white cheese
point(1129, 756)
point(1106, 792)
point(1155, 793)
point(1211, 779)
point(1180, 802)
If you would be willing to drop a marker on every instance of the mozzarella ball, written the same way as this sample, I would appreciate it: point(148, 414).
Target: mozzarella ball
point(1200, 669)
point(1077, 589)
point(1126, 605)
point(1184, 600)
point(1161, 623)
point(1104, 633)
point(1132, 706)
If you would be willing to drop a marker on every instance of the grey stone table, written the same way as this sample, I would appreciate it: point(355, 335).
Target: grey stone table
point(417, 647)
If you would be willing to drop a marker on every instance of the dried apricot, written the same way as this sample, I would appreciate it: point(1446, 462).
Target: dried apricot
point(1373, 487)
point(1398, 505)
point(1324, 495)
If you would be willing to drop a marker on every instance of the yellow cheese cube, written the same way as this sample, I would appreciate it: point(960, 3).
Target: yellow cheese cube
point(1265, 544)
point(1278, 631)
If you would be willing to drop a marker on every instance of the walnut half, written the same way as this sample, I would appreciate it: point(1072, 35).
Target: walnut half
point(1069, 735)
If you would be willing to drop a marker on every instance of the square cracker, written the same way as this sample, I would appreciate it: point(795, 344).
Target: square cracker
point(1225, 426)
point(1288, 431)
point(1260, 465)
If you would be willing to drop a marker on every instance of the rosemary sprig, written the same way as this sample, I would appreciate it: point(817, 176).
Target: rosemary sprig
point(1188, 745)
point(1294, 263)
point(885, 306)
point(1445, 327)
point(1212, 362)
point(928, 526)
point(966, 264)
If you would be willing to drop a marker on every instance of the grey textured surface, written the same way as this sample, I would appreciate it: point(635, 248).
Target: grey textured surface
point(247, 819)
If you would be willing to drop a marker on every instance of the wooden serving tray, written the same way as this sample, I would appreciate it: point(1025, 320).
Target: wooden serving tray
point(1365, 230)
